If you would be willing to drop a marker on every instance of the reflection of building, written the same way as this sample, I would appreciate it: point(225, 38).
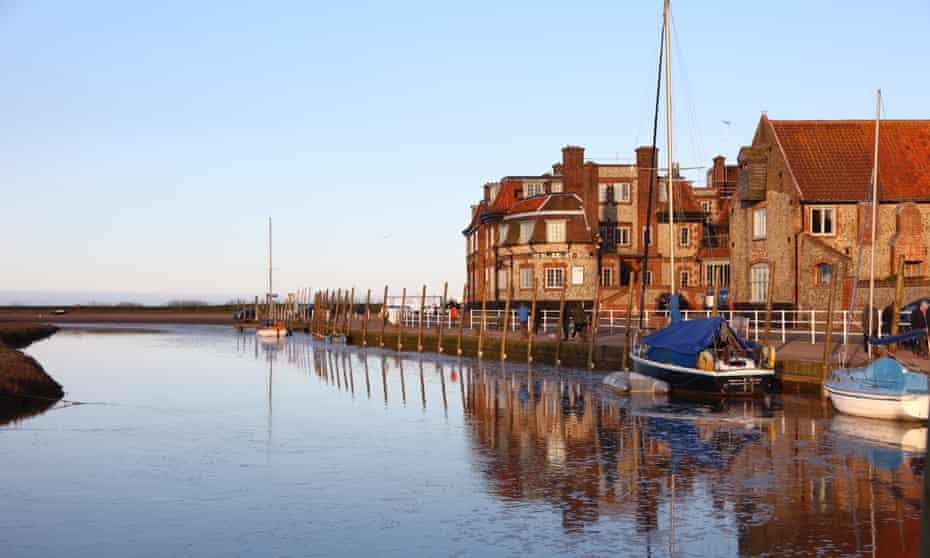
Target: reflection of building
point(782, 481)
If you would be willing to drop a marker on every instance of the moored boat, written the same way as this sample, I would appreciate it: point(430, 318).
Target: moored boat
point(276, 330)
point(882, 390)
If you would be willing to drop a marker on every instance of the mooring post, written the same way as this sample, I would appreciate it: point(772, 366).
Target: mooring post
point(335, 313)
point(256, 309)
point(420, 322)
point(828, 341)
point(367, 317)
point(350, 310)
point(532, 328)
point(768, 306)
point(439, 316)
point(506, 320)
point(896, 308)
point(559, 327)
point(403, 303)
point(484, 310)
point(462, 319)
point(384, 305)
point(595, 318)
point(628, 334)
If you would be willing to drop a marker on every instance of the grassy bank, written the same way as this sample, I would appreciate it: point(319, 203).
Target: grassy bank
point(21, 375)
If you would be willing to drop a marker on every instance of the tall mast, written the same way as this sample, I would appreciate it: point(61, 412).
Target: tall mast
point(878, 117)
point(270, 286)
point(668, 137)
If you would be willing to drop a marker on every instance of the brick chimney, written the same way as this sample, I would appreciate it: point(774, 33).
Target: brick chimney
point(720, 171)
point(590, 197)
point(573, 169)
point(646, 160)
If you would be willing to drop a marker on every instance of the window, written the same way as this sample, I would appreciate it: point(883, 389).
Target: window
point(526, 277)
point(758, 224)
point(824, 274)
point(622, 191)
point(623, 235)
point(646, 236)
point(526, 231)
point(605, 193)
point(822, 219)
point(555, 231)
point(502, 279)
point(684, 236)
point(647, 278)
point(533, 189)
point(759, 282)
point(912, 269)
point(556, 187)
point(577, 275)
point(502, 233)
point(717, 274)
point(555, 277)
point(683, 278)
point(705, 206)
point(607, 277)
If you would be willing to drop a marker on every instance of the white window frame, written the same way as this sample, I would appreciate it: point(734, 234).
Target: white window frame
point(526, 231)
point(553, 227)
point(822, 209)
point(502, 233)
point(532, 189)
point(624, 231)
point(577, 275)
point(624, 193)
point(723, 275)
point(647, 277)
point(759, 223)
point(684, 236)
point(556, 187)
point(758, 282)
point(684, 278)
point(526, 278)
point(607, 276)
point(555, 277)
point(603, 191)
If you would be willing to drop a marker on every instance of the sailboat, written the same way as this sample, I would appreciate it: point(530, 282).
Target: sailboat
point(269, 327)
point(884, 389)
point(705, 354)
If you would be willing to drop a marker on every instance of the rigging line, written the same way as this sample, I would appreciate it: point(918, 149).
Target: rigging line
point(695, 131)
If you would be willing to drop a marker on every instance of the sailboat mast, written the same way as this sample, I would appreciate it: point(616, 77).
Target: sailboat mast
point(668, 137)
point(878, 114)
point(270, 286)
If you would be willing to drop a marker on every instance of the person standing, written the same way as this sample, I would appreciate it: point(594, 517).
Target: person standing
point(523, 316)
point(580, 319)
point(919, 322)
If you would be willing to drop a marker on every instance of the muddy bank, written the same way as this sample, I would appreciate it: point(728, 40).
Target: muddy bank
point(24, 385)
point(143, 316)
point(20, 335)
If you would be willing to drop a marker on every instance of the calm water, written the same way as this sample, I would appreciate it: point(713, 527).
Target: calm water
point(201, 442)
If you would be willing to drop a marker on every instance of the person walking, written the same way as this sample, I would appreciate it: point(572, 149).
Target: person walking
point(566, 323)
point(580, 319)
point(523, 316)
point(919, 322)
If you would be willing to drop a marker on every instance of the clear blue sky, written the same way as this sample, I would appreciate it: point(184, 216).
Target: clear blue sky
point(143, 145)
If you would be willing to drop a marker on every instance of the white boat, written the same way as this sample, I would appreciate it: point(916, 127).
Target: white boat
point(275, 330)
point(271, 329)
point(881, 390)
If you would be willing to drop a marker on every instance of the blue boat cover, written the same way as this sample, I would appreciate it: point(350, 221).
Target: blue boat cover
point(909, 336)
point(674, 305)
point(680, 342)
point(884, 376)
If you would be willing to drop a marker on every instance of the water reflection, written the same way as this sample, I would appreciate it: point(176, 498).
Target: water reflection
point(14, 409)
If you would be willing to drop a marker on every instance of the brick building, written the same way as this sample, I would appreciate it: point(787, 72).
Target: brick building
point(800, 207)
point(586, 222)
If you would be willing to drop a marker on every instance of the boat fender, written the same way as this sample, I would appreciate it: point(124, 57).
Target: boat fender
point(705, 360)
point(768, 357)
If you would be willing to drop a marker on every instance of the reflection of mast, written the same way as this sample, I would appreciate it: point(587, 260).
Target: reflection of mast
point(270, 382)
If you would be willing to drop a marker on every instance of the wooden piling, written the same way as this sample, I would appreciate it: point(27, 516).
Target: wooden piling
point(506, 321)
point(442, 311)
point(628, 333)
point(768, 306)
point(400, 336)
point(484, 309)
point(896, 308)
point(420, 321)
point(350, 310)
point(560, 332)
point(384, 305)
point(594, 322)
point(828, 340)
point(532, 327)
point(458, 348)
point(334, 321)
point(715, 278)
point(367, 317)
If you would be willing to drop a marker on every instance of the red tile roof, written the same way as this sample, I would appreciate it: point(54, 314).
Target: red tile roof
point(832, 159)
point(530, 204)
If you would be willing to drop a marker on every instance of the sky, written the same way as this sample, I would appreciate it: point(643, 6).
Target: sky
point(143, 146)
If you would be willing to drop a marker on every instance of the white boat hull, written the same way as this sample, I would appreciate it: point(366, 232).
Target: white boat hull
point(886, 407)
point(273, 332)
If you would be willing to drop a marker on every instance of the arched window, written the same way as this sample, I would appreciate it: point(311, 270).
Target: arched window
point(824, 274)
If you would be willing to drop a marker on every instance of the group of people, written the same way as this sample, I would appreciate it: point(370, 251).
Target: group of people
point(919, 321)
point(574, 321)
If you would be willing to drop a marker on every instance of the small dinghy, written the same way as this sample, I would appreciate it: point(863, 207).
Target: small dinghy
point(276, 330)
point(881, 390)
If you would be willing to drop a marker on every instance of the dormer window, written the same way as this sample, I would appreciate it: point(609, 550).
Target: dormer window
point(534, 189)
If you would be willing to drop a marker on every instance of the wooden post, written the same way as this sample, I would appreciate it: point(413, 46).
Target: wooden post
point(462, 320)
point(828, 341)
point(768, 306)
point(715, 279)
point(335, 313)
point(400, 335)
point(257, 319)
point(896, 307)
point(350, 310)
point(532, 328)
point(628, 340)
point(506, 320)
point(442, 308)
point(559, 330)
point(594, 321)
point(384, 305)
point(420, 324)
point(367, 317)
point(484, 307)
